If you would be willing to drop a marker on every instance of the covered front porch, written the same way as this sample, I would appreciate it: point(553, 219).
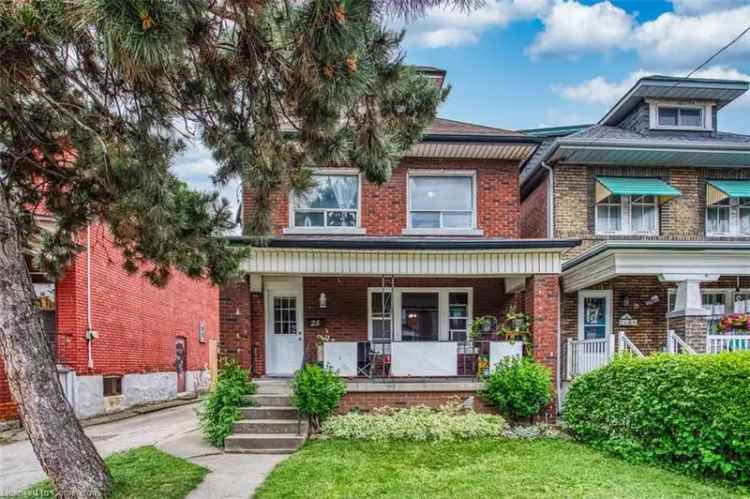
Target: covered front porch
point(644, 297)
point(399, 309)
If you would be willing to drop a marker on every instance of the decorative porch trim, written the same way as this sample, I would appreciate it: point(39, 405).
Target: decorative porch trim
point(315, 261)
point(617, 258)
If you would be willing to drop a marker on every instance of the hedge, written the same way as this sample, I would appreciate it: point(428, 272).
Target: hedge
point(690, 412)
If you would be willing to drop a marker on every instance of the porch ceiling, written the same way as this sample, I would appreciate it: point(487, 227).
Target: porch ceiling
point(620, 258)
point(417, 257)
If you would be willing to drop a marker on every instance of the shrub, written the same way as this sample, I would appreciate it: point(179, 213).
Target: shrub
point(687, 411)
point(414, 424)
point(222, 407)
point(519, 388)
point(316, 392)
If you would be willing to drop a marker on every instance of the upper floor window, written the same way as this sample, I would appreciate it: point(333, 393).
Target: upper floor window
point(332, 203)
point(686, 116)
point(627, 215)
point(728, 217)
point(441, 201)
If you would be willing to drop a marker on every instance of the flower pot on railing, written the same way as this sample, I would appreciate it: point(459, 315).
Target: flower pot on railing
point(734, 323)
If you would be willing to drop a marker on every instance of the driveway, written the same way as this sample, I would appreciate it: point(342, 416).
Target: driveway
point(172, 430)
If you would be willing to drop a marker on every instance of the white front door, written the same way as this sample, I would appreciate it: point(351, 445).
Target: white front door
point(284, 332)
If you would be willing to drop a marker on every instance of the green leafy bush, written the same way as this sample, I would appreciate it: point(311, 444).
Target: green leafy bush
point(416, 424)
point(316, 392)
point(222, 407)
point(687, 411)
point(519, 388)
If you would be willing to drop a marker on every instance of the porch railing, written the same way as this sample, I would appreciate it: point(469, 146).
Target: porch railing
point(717, 343)
point(676, 345)
point(627, 346)
point(383, 359)
point(586, 355)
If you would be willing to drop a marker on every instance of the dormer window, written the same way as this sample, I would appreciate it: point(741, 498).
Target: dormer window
point(680, 116)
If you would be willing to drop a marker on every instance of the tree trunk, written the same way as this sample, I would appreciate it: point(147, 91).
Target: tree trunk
point(64, 451)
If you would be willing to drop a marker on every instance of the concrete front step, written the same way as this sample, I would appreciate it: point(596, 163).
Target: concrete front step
point(272, 387)
point(269, 426)
point(281, 443)
point(269, 413)
point(268, 400)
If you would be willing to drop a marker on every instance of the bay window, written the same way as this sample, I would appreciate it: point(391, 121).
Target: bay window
point(332, 203)
point(441, 201)
point(634, 214)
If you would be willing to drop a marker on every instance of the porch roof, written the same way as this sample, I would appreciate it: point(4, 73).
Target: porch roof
point(689, 258)
point(404, 256)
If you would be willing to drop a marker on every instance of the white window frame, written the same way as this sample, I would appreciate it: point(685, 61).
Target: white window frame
point(627, 218)
point(468, 231)
point(729, 296)
point(443, 308)
point(356, 230)
point(595, 293)
point(735, 228)
point(706, 109)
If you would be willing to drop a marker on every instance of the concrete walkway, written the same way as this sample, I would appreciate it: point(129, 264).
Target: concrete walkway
point(174, 431)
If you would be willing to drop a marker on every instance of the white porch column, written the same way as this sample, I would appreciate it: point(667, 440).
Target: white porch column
point(689, 318)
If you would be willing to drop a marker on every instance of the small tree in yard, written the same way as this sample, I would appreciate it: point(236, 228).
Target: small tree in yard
point(316, 392)
point(222, 406)
point(97, 98)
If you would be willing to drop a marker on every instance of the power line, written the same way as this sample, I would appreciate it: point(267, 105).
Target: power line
point(722, 49)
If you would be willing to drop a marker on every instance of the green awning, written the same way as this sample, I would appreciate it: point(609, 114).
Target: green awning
point(634, 186)
point(719, 190)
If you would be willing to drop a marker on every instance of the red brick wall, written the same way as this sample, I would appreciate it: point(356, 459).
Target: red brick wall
point(137, 323)
point(534, 213)
point(542, 298)
point(236, 322)
point(7, 406)
point(384, 206)
point(367, 401)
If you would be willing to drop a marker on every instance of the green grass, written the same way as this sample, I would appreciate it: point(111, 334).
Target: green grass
point(480, 468)
point(142, 473)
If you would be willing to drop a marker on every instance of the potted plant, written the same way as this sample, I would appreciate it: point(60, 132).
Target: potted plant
point(734, 322)
point(506, 337)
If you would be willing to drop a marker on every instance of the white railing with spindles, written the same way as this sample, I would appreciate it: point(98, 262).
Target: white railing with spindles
point(586, 355)
point(717, 343)
point(675, 344)
point(625, 345)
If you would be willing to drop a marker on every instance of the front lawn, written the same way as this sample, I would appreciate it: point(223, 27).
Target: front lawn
point(143, 473)
point(480, 468)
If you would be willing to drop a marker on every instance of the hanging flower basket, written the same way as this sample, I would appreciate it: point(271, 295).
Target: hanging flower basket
point(734, 322)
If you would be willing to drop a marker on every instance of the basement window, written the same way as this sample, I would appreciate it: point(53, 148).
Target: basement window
point(112, 386)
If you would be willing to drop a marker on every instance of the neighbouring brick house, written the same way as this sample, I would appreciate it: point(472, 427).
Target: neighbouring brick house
point(660, 199)
point(142, 333)
point(383, 281)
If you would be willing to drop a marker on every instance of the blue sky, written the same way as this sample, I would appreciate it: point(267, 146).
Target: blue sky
point(533, 63)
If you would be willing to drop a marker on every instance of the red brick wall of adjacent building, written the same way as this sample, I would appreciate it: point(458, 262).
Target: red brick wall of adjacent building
point(137, 323)
point(384, 206)
point(534, 213)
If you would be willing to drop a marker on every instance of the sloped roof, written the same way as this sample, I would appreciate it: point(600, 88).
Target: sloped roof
point(443, 126)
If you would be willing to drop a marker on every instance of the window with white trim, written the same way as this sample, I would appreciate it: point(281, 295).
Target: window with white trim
point(681, 115)
point(728, 217)
point(628, 215)
point(332, 202)
point(419, 314)
point(441, 201)
point(594, 314)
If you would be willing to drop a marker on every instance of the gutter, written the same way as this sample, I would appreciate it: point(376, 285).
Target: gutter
point(478, 139)
point(405, 244)
point(550, 200)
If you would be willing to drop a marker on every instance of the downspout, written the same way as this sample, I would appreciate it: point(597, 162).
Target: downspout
point(90, 334)
point(551, 235)
point(550, 200)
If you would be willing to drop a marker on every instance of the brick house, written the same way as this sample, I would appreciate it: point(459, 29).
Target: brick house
point(141, 334)
point(660, 199)
point(382, 281)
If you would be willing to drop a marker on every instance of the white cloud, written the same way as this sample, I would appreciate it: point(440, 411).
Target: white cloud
point(451, 27)
point(693, 7)
point(681, 40)
point(572, 29)
point(599, 90)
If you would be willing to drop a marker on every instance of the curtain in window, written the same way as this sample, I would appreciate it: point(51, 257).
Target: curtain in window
point(744, 216)
point(643, 214)
point(717, 218)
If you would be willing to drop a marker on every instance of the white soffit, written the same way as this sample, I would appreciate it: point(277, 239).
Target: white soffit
point(613, 262)
point(313, 261)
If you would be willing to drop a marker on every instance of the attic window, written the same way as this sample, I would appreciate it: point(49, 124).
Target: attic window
point(684, 117)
